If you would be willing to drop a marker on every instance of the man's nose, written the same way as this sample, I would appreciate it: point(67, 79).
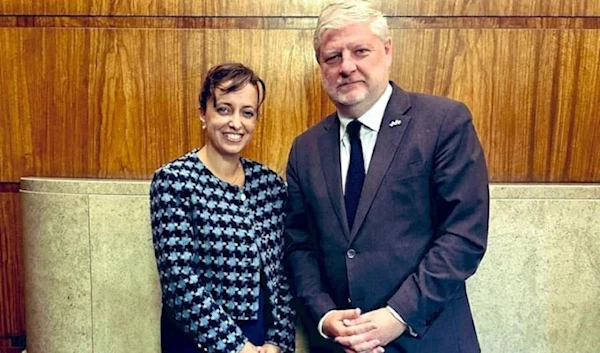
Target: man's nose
point(347, 66)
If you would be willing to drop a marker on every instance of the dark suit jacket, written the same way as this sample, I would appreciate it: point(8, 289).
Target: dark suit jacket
point(420, 229)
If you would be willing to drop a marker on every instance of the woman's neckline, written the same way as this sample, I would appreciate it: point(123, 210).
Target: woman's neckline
point(241, 166)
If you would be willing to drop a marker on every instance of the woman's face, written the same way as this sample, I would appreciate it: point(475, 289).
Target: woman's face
point(230, 120)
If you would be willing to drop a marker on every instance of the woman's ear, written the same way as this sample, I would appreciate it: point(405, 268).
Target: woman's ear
point(202, 118)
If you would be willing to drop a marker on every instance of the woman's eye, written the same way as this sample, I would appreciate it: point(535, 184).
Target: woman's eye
point(222, 110)
point(249, 114)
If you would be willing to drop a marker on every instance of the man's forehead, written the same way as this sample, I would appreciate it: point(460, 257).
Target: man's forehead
point(334, 38)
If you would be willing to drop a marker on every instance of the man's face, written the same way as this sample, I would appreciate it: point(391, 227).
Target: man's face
point(354, 67)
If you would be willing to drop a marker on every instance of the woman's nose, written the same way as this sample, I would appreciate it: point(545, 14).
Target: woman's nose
point(235, 122)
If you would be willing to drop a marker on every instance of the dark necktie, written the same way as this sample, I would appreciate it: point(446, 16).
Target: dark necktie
point(356, 172)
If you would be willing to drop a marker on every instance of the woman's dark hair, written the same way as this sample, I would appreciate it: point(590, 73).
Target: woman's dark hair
point(236, 76)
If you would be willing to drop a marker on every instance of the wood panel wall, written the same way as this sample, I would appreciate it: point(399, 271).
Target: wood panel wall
point(280, 8)
point(108, 88)
point(12, 313)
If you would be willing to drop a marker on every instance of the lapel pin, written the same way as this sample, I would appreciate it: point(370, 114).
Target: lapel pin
point(395, 123)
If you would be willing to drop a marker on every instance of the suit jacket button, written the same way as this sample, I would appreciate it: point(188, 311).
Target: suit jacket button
point(351, 253)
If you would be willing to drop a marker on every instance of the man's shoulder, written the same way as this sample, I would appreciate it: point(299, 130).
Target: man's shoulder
point(427, 108)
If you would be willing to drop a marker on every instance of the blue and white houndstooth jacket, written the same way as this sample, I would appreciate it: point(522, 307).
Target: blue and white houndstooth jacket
point(212, 242)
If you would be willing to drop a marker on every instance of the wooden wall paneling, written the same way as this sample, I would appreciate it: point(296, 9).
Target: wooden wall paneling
point(514, 114)
point(44, 7)
point(145, 7)
point(8, 21)
point(265, 8)
point(562, 101)
point(98, 7)
point(293, 23)
point(161, 7)
point(194, 46)
point(540, 74)
point(569, 8)
point(20, 67)
point(45, 102)
point(459, 64)
point(489, 8)
point(118, 103)
point(531, 107)
point(579, 82)
point(90, 103)
point(63, 132)
point(186, 22)
point(298, 7)
point(12, 318)
point(136, 96)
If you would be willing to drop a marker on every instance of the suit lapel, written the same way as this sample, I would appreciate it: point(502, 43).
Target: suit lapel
point(329, 145)
point(392, 130)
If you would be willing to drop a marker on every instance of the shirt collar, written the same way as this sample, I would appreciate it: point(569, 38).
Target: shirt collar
point(371, 118)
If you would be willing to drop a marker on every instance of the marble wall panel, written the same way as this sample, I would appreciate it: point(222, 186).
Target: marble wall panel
point(92, 284)
point(56, 249)
point(538, 285)
point(126, 301)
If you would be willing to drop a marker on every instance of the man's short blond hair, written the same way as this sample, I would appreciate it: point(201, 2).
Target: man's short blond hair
point(342, 13)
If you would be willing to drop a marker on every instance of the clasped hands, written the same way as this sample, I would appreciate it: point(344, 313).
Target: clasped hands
point(357, 333)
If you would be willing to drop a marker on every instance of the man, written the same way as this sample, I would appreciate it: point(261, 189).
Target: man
point(388, 201)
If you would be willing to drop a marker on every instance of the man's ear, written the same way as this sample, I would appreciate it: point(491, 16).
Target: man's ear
point(387, 47)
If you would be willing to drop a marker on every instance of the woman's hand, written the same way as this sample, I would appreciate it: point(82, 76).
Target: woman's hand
point(250, 348)
point(269, 348)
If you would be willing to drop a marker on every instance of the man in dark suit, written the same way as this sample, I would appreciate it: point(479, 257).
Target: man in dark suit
point(388, 201)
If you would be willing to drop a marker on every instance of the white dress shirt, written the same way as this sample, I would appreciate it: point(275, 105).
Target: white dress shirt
point(371, 121)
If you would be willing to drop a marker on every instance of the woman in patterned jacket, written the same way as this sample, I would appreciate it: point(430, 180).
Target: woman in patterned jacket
point(217, 222)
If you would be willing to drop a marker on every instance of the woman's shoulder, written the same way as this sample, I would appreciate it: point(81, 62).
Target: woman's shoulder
point(263, 172)
point(176, 174)
point(179, 165)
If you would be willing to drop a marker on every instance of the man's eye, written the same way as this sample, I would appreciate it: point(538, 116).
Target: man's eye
point(331, 59)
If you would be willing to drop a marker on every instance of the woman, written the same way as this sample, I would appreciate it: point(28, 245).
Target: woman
point(217, 222)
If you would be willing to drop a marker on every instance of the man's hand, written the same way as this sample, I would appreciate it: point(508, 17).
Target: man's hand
point(334, 326)
point(269, 348)
point(384, 328)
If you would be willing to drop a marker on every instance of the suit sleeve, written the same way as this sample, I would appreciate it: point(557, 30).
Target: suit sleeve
point(301, 248)
point(184, 294)
point(460, 204)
